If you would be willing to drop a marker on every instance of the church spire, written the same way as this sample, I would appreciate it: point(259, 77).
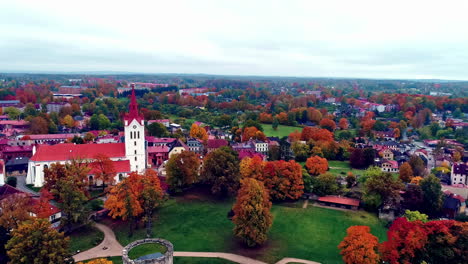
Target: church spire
point(133, 107)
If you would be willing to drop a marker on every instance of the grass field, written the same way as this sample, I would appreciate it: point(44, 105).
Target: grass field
point(85, 238)
point(146, 249)
point(339, 167)
point(282, 131)
point(201, 224)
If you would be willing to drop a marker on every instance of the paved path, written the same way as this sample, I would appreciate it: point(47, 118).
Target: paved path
point(21, 185)
point(109, 247)
point(295, 260)
point(228, 256)
point(113, 248)
point(306, 203)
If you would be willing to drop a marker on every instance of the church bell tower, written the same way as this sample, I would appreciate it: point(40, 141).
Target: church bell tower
point(134, 126)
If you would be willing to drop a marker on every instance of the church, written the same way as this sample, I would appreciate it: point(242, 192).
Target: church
point(127, 157)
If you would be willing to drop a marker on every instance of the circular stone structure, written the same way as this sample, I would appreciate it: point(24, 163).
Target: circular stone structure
point(166, 258)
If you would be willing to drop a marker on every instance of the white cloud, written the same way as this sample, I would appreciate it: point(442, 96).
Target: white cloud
point(393, 39)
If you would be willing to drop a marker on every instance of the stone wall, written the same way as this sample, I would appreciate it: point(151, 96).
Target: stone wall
point(165, 259)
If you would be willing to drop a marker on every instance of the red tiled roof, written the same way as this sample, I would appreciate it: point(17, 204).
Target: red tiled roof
point(6, 190)
point(119, 166)
point(52, 136)
point(339, 200)
point(216, 143)
point(83, 151)
point(156, 149)
point(17, 148)
point(14, 122)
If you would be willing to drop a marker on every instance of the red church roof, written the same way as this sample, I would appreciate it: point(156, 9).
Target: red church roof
point(339, 200)
point(119, 166)
point(84, 151)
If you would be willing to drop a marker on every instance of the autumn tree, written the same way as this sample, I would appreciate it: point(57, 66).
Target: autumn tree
point(326, 184)
point(397, 133)
point(343, 124)
point(416, 180)
point(36, 242)
point(68, 121)
point(134, 196)
point(104, 169)
point(382, 189)
point(328, 124)
point(252, 216)
point(418, 166)
point(284, 180)
point(252, 133)
point(182, 170)
point(316, 165)
point(432, 195)
point(221, 171)
point(406, 172)
point(405, 243)
point(15, 209)
point(359, 246)
point(198, 132)
point(446, 242)
point(98, 261)
point(252, 168)
point(38, 125)
point(42, 208)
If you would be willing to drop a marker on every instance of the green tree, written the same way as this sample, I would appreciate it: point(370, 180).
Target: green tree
point(325, 184)
point(72, 203)
point(275, 124)
point(418, 166)
point(415, 215)
point(382, 189)
point(104, 122)
point(157, 130)
point(12, 112)
point(182, 170)
point(432, 195)
point(221, 171)
point(252, 216)
point(36, 242)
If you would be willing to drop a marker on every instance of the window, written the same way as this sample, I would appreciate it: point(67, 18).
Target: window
point(138, 134)
point(135, 151)
point(134, 143)
point(131, 135)
point(135, 158)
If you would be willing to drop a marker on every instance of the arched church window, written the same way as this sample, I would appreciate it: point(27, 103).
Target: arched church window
point(138, 134)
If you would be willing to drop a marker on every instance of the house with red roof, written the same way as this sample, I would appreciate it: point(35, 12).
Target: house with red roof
point(389, 166)
point(127, 157)
point(338, 201)
point(54, 213)
point(213, 144)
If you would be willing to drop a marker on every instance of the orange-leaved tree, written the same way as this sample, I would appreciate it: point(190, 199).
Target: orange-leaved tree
point(284, 179)
point(198, 132)
point(14, 210)
point(359, 246)
point(252, 216)
point(135, 195)
point(343, 124)
point(42, 208)
point(316, 165)
point(98, 261)
point(406, 172)
point(104, 169)
point(252, 167)
point(328, 124)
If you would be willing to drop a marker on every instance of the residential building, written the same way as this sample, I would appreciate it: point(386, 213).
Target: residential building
point(459, 174)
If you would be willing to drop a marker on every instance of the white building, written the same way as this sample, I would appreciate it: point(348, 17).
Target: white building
point(127, 157)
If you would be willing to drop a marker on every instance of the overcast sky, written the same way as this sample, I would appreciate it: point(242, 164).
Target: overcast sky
point(373, 39)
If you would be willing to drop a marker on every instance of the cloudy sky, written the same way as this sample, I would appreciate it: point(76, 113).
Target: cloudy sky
point(372, 39)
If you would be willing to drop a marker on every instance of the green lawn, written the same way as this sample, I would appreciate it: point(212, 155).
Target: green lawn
point(85, 238)
point(282, 131)
point(342, 167)
point(202, 225)
point(31, 187)
point(146, 249)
